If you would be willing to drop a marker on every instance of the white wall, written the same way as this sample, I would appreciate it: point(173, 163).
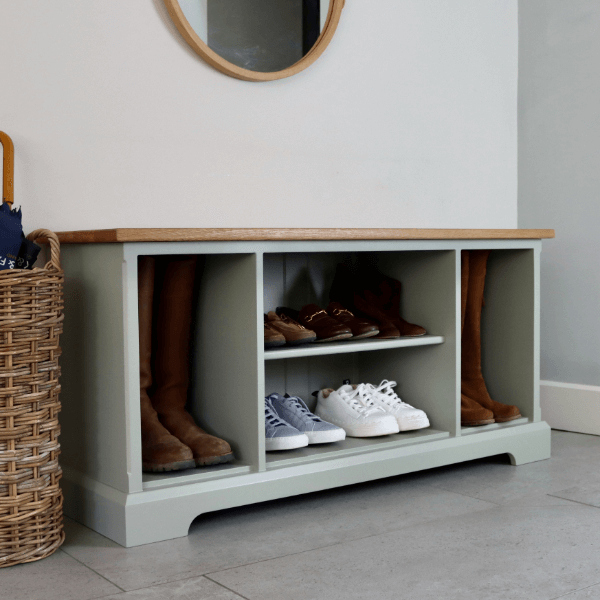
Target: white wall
point(407, 120)
point(559, 187)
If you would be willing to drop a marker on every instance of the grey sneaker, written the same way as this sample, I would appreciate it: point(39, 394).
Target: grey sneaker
point(295, 412)
point(280, 435)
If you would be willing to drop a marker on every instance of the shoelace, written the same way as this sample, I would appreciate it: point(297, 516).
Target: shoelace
point(387, 394)
point(272, 418)
point(360, 401)
point(301, 407)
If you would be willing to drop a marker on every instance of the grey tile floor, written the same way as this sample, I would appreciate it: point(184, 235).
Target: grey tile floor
point(477, 530)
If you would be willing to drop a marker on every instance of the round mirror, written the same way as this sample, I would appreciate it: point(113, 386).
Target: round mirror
point(257, 40)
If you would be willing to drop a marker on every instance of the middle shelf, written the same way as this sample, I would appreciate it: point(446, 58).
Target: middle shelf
point(345, 347)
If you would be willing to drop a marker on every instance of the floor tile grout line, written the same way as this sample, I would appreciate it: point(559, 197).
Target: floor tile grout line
point(242, 565)
point(516, 498)
point(214, 573)
point(94, 571)
point(171, 581)
point(250, 564)
point(258, 562)
point(468, 496)
point(587, 587)
point(155, 585)
point(574, 501)
point(225, 587)
point(340, 543)
point(115, 595)
point(494, 505)
point(158, 585)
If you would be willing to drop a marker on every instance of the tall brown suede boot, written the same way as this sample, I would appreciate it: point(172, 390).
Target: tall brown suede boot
point(171, 363)
point(160, 450)
point(473, 384)
point(471, 413)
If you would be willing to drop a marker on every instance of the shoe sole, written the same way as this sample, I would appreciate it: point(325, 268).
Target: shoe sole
point(507, 419)
point(174, 466)
point(477, 423)
point(420, 424)
point(385, 427)
point(362, 431)
point(342, 336)
point(286, 443)
point(274, 344)
point(325, 437)
point(366, 335)
point(214, 460)
point(301, 341)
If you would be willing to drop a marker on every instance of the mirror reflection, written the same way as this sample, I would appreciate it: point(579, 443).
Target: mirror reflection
point(259, 35)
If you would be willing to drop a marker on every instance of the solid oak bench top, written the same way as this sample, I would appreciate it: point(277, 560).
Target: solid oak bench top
point(101, 236)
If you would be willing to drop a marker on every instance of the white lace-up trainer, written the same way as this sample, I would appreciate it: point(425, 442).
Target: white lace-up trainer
point(350, 408)
point(407, 416)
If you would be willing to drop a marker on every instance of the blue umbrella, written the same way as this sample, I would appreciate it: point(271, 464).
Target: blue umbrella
point(16, 252)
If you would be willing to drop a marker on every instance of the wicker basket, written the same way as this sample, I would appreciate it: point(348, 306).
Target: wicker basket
point(31, 321)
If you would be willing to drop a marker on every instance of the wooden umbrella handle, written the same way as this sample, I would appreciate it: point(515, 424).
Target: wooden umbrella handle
point(8, 171)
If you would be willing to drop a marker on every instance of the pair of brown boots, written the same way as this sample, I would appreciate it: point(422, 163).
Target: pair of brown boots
point(476, 406)
point(374, 296)
point(171, 440)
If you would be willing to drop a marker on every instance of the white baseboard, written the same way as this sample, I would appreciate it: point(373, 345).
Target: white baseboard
point(571, 406)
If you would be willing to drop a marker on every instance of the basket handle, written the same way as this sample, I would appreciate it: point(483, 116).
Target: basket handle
point(52, 239)
point(8, 170)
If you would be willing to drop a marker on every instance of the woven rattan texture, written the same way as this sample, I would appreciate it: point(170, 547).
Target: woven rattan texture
point(31, 321)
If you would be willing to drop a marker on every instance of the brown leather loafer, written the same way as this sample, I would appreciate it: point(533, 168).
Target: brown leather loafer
point(273, 338)
point(316, 319)
point(292, 332)
point(361, 328)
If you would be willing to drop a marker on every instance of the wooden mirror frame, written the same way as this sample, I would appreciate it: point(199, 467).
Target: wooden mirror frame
point(223, 65)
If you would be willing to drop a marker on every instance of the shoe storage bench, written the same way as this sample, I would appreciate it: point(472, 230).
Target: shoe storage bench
point(247, 273)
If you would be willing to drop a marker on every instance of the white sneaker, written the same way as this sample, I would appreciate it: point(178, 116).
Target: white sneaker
point(407, 416)
point(351, 409)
